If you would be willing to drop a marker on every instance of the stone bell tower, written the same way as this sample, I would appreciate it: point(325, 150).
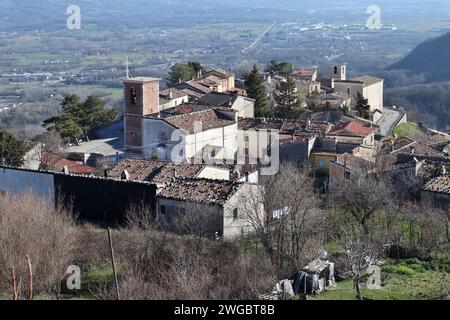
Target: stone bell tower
point(141, 95)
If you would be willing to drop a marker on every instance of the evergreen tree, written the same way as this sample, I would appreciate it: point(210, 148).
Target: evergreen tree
point(362, 107)
point(182, 72)
point(255, 90)
point(284, 68)
point(12, 150)
point(313, 101)
point(288, 104)
point(79, 119)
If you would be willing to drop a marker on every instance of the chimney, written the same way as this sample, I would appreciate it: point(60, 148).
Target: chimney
point(125, 175)
point(443, 170)
point(175, 175)
point(269, 79)
point(170, 94)
point(65, 170)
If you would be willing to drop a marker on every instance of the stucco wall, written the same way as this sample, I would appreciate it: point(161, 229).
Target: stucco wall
point(349, 88)
point(245, 107)
point(153, 129)
point(219, 137)
point(374, 94)
point(214, 173)
point(243, 200)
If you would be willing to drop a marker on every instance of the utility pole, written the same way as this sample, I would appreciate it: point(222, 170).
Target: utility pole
point(113, 264)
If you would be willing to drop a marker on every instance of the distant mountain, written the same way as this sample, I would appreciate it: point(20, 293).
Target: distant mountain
point(431, 57)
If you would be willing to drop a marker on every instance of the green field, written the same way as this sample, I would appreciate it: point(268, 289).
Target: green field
point(400, 281)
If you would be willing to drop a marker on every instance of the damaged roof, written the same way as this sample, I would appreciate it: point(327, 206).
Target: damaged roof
point(285, 126)
point(317, 266)
point(214, 192)
point(440, 185)
point(159, 172)
point(209, 119)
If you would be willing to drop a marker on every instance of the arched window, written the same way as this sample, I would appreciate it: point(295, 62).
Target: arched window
point(133, 97)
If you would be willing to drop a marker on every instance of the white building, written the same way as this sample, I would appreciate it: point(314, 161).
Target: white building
point(370, 88)
point(217, 205)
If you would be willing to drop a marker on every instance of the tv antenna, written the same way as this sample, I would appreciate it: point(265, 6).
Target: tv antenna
point(129, 70)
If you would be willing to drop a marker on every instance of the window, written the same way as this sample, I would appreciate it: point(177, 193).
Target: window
point(133, 96)
point(347, 175)
point(321, 164)
point(235, 214)
point(335, 70)
point(162, 210)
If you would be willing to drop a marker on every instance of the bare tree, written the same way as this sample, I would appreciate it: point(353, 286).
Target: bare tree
point(291, 229)
point(50, 144)
point(361, 249)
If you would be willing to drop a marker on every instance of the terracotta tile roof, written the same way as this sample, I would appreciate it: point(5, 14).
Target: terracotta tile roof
point(57, 163)
point(401, 143)
point(432, 140)
point(172, 93)
point(208, 118)
point(419, 149)
point(182, 109)
point(200, 87)
point(440, 184)
point(159, 172)
point(430, 169)
point(192, 93)
point(285, 126)
point(353, 162)
point(297, 127)
point(215, 192)
point(353, 128)
point(287, 139)
point(218, 99)
point(306, 72)
point(260, 123)
point(221, 72)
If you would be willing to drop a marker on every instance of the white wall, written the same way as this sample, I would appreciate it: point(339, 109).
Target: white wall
point(374, 93)
point(152, 129)
point(245, 107)
point(214, 173)
point(242, 200)
point(174, 103)
point(225, 137)
point(349, 88)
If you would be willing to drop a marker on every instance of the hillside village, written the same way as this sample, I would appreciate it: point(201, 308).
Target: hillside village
point(199, 147)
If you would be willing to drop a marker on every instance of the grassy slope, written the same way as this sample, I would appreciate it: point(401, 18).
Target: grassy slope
point(398, 283)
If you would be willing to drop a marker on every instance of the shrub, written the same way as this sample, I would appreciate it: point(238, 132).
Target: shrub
point(33, 226)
